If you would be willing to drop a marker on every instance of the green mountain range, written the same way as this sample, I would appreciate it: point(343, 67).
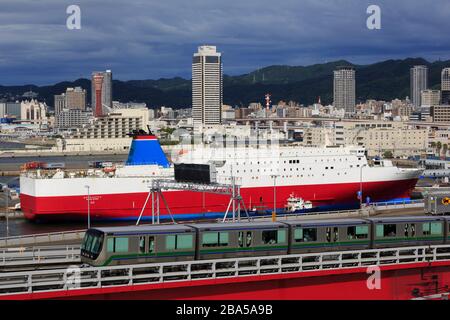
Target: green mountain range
point(384, 80)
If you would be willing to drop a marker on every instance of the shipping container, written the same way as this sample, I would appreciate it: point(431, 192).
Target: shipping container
point(438, 203)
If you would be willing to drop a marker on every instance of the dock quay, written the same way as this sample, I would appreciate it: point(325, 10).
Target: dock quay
point(44, 239)
point(24, 258)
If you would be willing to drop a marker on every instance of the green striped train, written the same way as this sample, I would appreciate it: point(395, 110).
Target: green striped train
point(164, 243)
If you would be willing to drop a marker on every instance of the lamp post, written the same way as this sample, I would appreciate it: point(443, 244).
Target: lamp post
point(274, 177)
point(360, 186)
point(89, 206)
point(7, 211)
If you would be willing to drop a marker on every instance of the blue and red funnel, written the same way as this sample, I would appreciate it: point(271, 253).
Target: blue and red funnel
point(145, 149)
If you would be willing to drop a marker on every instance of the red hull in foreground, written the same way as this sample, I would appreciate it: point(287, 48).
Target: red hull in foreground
point(405, 281)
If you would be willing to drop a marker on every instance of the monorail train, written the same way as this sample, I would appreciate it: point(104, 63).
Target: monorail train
point(163, 243)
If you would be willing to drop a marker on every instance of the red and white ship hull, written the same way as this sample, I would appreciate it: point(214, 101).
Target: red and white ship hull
point(328, 177)
point(191, 205)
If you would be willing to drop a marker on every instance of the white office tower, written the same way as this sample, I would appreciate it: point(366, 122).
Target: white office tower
point(345, 89)
point(419, 83)
point(207, 93)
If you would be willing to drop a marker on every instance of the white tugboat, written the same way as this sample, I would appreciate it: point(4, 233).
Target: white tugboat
point(295, 204)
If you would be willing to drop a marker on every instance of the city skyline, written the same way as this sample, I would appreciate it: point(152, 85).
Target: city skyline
point(147, 41)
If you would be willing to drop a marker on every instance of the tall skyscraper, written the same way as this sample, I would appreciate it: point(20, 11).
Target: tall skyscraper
point(419, 83)
point(73, 98)
point(97, 84)
point(445, 86)
point(76, 98)
point(207, 82)
point(345, 89)
point(60, 103)
point(106, 90)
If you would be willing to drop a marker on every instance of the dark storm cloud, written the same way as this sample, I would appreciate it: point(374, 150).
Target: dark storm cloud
point(151, 39)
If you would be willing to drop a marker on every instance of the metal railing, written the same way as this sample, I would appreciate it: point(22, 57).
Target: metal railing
point(22, 256)
point(74, 236)
point(365, 212)
point(402, 204)
point(157, 273)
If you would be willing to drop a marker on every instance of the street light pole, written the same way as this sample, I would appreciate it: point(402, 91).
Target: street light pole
point(274, 177)
point(7, 212)
point(360, 187)
point(89, 206)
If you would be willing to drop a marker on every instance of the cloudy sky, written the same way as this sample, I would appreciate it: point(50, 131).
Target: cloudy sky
point(149, 39)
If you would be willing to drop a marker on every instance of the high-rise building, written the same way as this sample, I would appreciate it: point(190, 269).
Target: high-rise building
point(345, 89)
point(2, 109)
point(13, 109)
point(76, 98)
point(60, 103)
point(419, 82)
point(97, 84)
point(430, 98)
point(106, 92)
point(73, 98)
point(207, 82)
point(445, 86)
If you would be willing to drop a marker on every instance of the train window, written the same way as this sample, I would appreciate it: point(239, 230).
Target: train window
point(215, 239)
point(121, 245)
point(336, 234)
point(248, 240)
point(88, 241)
point(386, 230)
point(223, 238)
point(141, 244)
point(357, 232)
point(433, 228)
point(92, 243)
point(270, 236)
point(298, 235)
point(178, 241)
point(281, 237)
point(184, 241)
point(110, 245)
point(328, 232)
point(117, 245)
point(308, 235)
point(171, 242)
point(151, 244)
point(413, 230)
point(241, 239)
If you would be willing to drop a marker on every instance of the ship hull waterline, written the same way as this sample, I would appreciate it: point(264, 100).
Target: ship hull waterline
point(195, 205)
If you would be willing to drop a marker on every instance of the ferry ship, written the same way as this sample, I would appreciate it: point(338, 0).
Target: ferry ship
point(327, 177)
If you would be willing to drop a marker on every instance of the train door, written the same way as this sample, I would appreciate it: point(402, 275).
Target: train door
point(151, 245)
point(332, 236)
point(410, 230)
point(245, 241)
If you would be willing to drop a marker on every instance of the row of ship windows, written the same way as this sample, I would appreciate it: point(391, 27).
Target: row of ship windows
point(294, 162)
point(251, 171)
point(298, 176)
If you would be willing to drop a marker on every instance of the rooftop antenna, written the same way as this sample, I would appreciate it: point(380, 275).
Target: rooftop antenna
point(268, 101)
